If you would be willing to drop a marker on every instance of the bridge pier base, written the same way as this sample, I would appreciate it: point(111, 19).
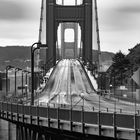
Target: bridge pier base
point(17, 132)
point(34, 135)
point(27, 134)
point(24, 133)
point(36, 132)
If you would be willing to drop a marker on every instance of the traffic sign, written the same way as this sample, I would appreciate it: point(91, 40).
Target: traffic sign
point(136, 76)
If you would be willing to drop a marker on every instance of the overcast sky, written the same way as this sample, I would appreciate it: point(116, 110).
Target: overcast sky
point(119, 22)
point(19, 22)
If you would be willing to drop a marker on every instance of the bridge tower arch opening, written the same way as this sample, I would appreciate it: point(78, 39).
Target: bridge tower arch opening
point(69, 2)
point(68, 40)
point(69, 16)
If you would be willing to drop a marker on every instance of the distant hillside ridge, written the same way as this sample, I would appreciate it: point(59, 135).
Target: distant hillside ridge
point(105, 56)
point(14, 52)
point(16, 55)
point(23, 52)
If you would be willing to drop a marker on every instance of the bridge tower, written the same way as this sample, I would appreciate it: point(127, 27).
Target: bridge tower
point(69, 49)
point(57, 14)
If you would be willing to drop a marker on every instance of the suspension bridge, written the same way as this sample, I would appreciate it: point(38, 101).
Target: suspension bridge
point(69, 106)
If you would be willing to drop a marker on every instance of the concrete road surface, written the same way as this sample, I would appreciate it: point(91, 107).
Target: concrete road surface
point(69, 85)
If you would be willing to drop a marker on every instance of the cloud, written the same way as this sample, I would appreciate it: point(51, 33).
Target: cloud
point(18, 10)
point(10, 10)
point(120, 15)
point(128, 6)
point(133, 9)
point(19, 21)
point(119, 24)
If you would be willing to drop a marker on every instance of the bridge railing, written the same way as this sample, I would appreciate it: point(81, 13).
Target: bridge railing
point(80, 116)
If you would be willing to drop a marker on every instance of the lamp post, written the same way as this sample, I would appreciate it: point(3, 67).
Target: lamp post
point(121, 82)
point(16, 70)
point(114, 94)
point(7, 68)
point(82, 95)
point(99, 101)
point(99, 89)
point(33, 48)
point(26, 86)
point(132, 83)
point(22, 83)
point(133, 97)
point(26, 82)
point(110, 87)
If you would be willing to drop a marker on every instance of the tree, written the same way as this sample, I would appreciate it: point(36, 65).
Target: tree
point(134, 57)
point(119, 68)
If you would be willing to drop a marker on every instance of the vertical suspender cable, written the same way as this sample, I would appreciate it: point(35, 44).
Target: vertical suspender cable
point(62, 36)
point(80, 51)
point(57, 48)
point(98, 36)
point(76, 35)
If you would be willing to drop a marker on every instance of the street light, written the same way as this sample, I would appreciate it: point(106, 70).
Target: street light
point(22, 83)
point(110, 87)
point(82, 96)
point(82, 117)
point(7, 68)
point(114, 94)
point(99, 89)
point(26, 84)
point(99, 101)
point(39, 45)
point(16, 70)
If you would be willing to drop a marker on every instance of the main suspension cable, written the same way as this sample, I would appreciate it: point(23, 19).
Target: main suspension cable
point(40, 32)
point(98, 36)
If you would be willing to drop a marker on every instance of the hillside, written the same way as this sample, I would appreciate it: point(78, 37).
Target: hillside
point(20, 56)
point(14, 52)
point(14, 55)
point(105, 56)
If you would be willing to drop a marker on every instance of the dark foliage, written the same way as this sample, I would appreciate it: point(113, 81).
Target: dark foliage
point(134, 57)
point(119, 71)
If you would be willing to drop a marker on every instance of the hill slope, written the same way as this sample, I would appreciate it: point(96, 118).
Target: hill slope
point(17, 56)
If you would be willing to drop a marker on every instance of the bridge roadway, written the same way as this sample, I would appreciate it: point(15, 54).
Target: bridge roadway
point(70, 90)
point(69, 85)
